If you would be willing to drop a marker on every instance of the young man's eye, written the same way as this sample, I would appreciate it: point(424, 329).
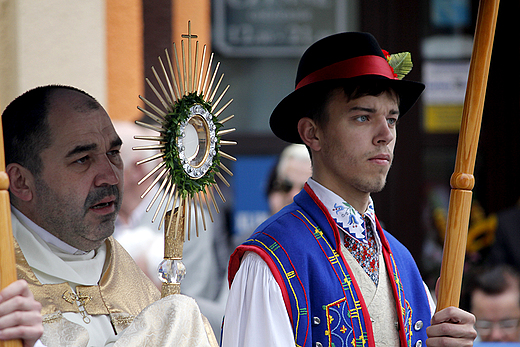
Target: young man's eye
point(362, 118)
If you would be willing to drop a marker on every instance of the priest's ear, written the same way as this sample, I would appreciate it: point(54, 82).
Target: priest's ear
point(21, 182)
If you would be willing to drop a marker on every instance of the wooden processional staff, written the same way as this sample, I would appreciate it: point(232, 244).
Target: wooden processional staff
point(462, 180)
point(7, 259)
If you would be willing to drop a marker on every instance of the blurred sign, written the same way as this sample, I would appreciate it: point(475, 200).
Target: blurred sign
point(277, 28)
point(450, 13)
point(443, 98)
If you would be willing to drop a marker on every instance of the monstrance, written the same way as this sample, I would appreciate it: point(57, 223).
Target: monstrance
point(189, 150)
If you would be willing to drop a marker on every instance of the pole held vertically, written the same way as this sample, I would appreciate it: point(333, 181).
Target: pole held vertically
point(462, 181)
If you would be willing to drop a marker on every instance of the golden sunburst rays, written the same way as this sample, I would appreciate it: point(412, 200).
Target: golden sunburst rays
point(189, 136)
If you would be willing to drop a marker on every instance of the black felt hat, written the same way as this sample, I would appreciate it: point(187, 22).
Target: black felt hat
point(344, 58)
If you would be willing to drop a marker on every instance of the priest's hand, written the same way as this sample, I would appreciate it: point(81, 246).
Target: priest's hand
point(20, 316)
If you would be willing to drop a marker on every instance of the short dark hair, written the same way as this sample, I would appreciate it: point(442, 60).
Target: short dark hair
point(492, 279)
point(318, 109)
point(25, 126)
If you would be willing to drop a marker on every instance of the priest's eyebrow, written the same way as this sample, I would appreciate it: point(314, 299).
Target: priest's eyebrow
point(92, 146)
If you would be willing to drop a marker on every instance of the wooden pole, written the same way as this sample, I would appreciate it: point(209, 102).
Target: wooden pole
point(7, 259)
point(462, 180)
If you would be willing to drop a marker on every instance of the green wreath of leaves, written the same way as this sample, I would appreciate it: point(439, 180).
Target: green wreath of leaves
point(186, 185)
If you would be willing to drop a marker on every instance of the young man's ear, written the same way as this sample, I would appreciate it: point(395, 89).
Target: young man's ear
point(21, 181)
point(308, 131)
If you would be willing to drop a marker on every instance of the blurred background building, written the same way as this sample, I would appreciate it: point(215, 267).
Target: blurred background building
point(107, 48)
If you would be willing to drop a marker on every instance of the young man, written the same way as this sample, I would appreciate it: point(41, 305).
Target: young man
point(322, 272)
point(66, 185)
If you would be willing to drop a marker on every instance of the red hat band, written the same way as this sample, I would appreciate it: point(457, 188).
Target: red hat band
point(353, 67)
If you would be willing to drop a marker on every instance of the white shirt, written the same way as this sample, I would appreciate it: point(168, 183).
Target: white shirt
point(255, 312)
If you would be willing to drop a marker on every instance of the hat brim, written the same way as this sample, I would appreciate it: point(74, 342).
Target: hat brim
point(286, 115)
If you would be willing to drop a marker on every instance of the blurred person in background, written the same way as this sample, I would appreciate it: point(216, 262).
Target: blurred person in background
point(492, 294)
point(288, 176)
point(133, 227)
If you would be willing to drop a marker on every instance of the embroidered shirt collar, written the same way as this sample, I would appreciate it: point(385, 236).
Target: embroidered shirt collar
point(347, 218)
point(45, 235)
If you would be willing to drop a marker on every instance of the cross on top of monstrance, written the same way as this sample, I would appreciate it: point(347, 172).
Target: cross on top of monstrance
point(188, 144)
point(189, 35)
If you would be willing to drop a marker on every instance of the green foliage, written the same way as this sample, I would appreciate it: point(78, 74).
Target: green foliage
point(401, 63)
point(186, 185)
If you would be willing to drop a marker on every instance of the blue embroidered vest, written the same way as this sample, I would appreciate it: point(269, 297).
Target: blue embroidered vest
point(301, 246)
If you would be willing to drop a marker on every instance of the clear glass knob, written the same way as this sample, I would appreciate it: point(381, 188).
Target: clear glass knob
point(171, 271)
